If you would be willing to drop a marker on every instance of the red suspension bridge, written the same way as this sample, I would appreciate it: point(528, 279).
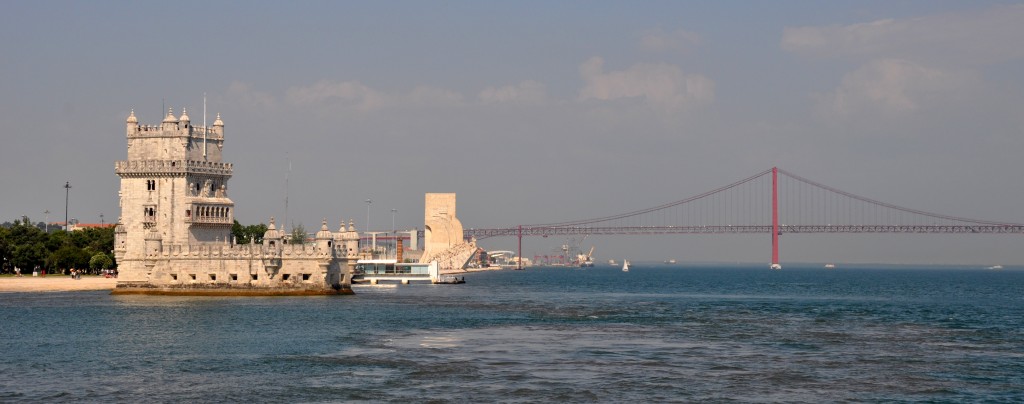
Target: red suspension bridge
point(773, 201)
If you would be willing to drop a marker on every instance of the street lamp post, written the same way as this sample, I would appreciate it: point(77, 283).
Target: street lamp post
point(67, 195)
point(101, 219)
point(46, 225)
point(368, 203)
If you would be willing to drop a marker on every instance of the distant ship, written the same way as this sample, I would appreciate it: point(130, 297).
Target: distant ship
point(830, 266)
point(585, 260)
point(612, 263)
point(625, 265)
point(671, 261)
point(776, 266)
point(995, 267)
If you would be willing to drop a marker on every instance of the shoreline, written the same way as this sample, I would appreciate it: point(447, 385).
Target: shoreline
point(64, 283)
point(54, 283)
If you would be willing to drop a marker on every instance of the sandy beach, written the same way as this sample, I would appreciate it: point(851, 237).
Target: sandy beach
point(55, 284)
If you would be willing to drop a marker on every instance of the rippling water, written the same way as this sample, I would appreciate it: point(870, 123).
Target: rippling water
point(657, 333)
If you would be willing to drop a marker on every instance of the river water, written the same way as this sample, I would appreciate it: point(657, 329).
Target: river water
point(656, 334)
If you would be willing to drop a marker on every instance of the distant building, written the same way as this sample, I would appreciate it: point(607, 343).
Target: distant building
point(174, 232)
point(83, 226)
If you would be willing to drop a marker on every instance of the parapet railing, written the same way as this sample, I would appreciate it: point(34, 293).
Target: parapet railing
point(171, 166)
point(249, 251)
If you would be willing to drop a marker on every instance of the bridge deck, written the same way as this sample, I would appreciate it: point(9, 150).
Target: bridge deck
point(758, 229)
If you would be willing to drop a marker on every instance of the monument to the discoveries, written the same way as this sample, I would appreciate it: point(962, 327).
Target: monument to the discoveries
point(174, 233)
point(442, 234)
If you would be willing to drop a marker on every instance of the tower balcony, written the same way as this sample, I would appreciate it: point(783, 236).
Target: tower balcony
point(202, 213)
point(128, 168)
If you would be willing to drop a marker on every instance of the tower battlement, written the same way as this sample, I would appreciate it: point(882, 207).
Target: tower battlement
point(174, 139)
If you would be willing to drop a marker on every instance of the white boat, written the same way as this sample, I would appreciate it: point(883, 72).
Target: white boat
point(996, 267)
point(670, 262)
point(776, 266)
point(625, 265)
point(830, 266)
point(612, 262)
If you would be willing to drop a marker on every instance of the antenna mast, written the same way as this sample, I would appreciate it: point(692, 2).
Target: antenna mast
point(286, 191)
point(205, 128)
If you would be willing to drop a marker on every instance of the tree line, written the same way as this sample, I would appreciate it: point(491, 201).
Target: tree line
point(254, 233)
point(25, 245)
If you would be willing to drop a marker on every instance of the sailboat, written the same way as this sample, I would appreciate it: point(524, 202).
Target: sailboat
point(625, 265)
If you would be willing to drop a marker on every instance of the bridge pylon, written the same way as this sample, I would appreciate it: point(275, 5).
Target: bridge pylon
point(775, 219)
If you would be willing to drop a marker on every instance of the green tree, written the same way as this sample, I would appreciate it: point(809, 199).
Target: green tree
point(238, 232)
point(27, 256)
point(22, 233)
point(56, 240)
point(101, 261)
point(99, 239)
point(5, 250)
point(248, 234)
point(69, 256)
point(256, 232)
point(298, 235)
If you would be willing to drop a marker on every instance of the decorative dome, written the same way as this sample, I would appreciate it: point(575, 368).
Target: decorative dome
point(324, 233)
point(218, 122)
point(184, 116)
point(132, 118)
point(272, 232)
point(341, 231)
point(352, 234)
point(170, 116)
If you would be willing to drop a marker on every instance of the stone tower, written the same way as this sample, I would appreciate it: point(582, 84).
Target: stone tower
point(173, 185)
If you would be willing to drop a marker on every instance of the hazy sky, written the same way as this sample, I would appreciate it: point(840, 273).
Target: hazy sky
point(535, 111)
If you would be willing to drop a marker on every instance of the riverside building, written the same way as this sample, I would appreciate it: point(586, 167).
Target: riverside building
point(174, 232)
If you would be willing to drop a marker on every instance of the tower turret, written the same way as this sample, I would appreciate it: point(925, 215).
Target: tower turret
point(324, 238)
point(272, 238)
point(154, 242)
point(120, 240)
point(218, 125)
point(132, 123)
point(169, 122)
point(351, 239)
point(184, 119)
